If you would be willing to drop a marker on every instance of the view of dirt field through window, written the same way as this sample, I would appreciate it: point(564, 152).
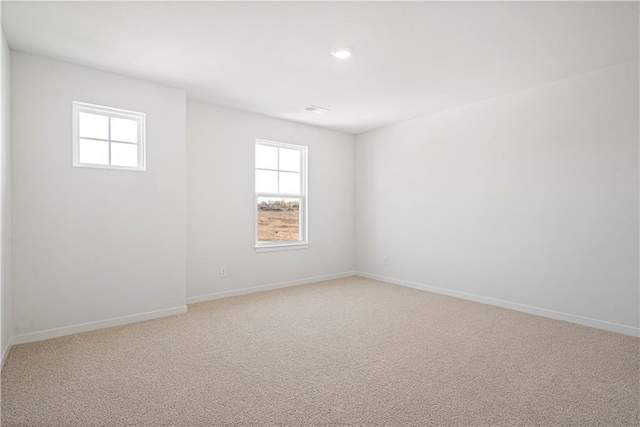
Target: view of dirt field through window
point(278, 220)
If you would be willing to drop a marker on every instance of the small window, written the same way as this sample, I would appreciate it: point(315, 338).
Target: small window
point(108, 138)
point(281, 181)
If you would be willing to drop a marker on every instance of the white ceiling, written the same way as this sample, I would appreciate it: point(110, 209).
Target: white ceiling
point(410, 59)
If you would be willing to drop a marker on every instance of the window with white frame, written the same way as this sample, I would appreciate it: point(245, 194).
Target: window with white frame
point(108, 138)
point(281, 200)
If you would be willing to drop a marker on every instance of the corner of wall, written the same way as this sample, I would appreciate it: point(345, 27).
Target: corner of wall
point(6, 311)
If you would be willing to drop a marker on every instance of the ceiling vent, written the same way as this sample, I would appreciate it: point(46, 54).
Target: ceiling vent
point(315, 109)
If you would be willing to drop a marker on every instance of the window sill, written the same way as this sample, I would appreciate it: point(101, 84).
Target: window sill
point(119, 168)
point(281, 247)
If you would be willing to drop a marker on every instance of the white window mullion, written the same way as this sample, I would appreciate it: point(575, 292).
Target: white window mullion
point(278, 170)
point(109, 125)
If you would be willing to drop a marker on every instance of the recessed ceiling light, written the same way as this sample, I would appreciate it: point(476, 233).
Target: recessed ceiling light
point(342, 52)
point(315, 109)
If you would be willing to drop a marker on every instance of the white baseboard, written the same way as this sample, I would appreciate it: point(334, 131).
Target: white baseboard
point(572, 318)
point(5, 352)
point(244, 291)
point(100, 324)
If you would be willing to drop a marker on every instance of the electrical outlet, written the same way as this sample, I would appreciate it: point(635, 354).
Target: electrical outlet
point(385, 260)
point(223, 272)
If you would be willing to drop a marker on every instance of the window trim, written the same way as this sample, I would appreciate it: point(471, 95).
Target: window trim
point(277, 245)
point(82, 107)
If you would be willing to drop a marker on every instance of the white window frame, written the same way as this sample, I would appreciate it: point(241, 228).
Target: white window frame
point(303, 242)
point(81, 107)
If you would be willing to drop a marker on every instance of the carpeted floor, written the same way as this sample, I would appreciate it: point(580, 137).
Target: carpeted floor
point(345, 352)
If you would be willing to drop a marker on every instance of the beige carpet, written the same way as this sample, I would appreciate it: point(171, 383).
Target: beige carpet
point(345, 352)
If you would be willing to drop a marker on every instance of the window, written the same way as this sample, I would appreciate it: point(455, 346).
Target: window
point(281, 181)
point(107, 138)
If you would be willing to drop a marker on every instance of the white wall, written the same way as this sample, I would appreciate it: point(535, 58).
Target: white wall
point(93, 244)
point(220, 181)
point(5, 199)
point(530, 198)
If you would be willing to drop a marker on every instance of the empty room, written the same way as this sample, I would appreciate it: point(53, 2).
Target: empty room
point(320, 213)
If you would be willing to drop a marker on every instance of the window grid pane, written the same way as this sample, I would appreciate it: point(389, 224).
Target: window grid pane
point(285, 162)
point(266, 181)
point(288, 183)
point(289, 160)
point(123, 154)
point(123, 130)
point(93, 126)
point(106, 137)
point(266, 157)
point(94, 152)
